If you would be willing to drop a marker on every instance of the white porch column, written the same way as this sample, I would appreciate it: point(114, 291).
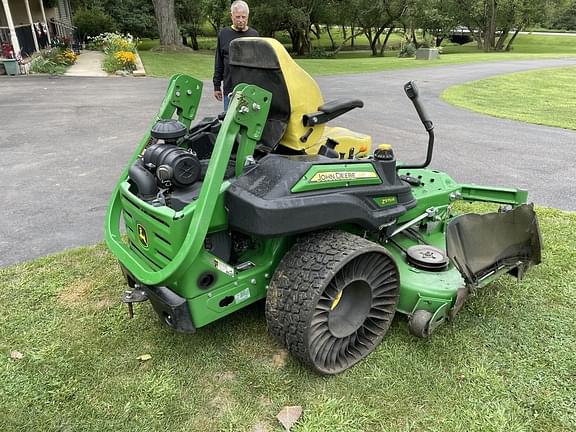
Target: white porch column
point(45, 22)
point(13, 36)
point(32, 25)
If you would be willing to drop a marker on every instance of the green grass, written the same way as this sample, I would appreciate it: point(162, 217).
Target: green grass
point(541, 97)
point(505, 364)
point(201, 64)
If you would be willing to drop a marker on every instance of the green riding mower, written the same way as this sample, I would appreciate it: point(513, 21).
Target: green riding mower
point(266, 201)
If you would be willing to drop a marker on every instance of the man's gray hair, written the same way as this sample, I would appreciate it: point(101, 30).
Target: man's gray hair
point(239, 4)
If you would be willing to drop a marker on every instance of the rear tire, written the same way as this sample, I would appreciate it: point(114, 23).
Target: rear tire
point(332, 299)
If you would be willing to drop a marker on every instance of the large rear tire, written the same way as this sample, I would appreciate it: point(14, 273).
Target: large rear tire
point(332, 299)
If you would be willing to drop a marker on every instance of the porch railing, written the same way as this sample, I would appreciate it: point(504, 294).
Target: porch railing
point(62, 29)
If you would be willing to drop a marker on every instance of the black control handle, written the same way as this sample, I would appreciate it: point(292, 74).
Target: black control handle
point(411, 91)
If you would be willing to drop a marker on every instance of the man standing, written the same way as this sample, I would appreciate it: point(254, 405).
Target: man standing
point(239, 12)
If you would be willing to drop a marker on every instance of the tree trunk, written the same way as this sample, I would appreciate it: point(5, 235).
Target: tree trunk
point(318, 31)
point(295, 39)
point(509, 45)
point(353, 36)
point(388, 33)
point(490, 30)
point(477, 37)
point(167, 25)
point(343, 32)
point(337, 50)
point(305, 43)
point(194, 38)
point(331, 38)
point(501, 39)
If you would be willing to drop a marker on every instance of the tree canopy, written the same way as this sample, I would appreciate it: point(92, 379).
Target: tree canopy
point(493, 24)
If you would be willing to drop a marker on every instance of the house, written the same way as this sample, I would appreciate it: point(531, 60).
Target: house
point(27, 26)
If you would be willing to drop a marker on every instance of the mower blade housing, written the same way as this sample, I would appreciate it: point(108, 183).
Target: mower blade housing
point(483, 246)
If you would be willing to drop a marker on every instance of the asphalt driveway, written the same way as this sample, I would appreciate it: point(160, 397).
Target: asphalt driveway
point(65, 140)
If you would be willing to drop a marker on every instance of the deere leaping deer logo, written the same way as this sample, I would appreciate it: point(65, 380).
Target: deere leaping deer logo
point(142, 236)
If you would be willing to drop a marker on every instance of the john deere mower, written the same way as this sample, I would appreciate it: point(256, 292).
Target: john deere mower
point(266, 201)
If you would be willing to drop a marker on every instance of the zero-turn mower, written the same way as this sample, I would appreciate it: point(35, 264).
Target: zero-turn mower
point(266, 201)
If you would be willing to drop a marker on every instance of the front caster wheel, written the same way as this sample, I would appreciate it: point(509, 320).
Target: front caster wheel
point(419, 323)
point(332, 299)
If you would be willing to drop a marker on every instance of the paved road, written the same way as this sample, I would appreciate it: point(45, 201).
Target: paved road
point(64, 142)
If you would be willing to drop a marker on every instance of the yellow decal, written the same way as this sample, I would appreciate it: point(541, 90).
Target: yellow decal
point(142, 236)
point(322, 177)
point(336, 300)
point(384, 201)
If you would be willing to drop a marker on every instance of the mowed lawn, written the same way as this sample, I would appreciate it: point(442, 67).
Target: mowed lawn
point(505, 364)
point(544, 96)
point(201, 64)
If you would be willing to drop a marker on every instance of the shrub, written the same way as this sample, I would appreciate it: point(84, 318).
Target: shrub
point(408, 50)
point(40, 64)
point(119, 49)
point(92, 22)
point(319, 52)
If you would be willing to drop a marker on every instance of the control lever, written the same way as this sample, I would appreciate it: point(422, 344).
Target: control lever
point(411, 91)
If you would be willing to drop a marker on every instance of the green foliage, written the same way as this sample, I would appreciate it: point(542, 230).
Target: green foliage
point(408, 50)
point(53, 61)
point(319, 52)
point(129, 16)
point(565, 18)
point(135, 17)
point(45, 65)
point(92, 22)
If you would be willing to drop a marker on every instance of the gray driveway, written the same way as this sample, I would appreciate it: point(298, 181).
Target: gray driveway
point(64, 142)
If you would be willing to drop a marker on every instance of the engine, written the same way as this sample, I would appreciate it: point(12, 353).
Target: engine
point(170, 170)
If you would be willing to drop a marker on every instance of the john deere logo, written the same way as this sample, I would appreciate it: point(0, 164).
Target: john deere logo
point(324, 176)
point(142, 236)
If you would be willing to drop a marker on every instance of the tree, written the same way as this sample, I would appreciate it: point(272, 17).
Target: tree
point(130, 16)
point(435, 17)
point(167, 25)
point(190, 16)
point(216, 12)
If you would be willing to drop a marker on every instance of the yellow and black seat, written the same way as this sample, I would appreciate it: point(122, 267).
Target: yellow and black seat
point(298, 115)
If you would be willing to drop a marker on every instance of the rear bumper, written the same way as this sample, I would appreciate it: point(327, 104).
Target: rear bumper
point(172, 309)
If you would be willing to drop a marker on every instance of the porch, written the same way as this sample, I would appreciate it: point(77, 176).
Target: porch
point(27, 26)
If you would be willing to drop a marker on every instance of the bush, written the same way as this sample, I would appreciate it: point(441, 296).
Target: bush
point(408, 50)
point(119, 49)
point(92, 22)
point(320, 52)
point(40, 64)
point(53, 61)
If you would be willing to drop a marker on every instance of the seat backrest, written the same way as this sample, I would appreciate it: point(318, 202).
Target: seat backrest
point(266, 63)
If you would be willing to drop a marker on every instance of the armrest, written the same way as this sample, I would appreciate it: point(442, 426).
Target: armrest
point(330, 111)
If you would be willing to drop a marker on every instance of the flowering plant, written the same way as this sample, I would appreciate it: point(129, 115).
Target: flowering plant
point(127, 59)
point(7, 50)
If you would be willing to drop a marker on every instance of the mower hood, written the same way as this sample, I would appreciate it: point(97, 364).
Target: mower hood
point(482, 245)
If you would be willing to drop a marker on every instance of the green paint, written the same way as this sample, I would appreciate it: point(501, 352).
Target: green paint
point(166, 247)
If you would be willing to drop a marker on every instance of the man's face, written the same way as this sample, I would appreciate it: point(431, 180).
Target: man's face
point(239, 19)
